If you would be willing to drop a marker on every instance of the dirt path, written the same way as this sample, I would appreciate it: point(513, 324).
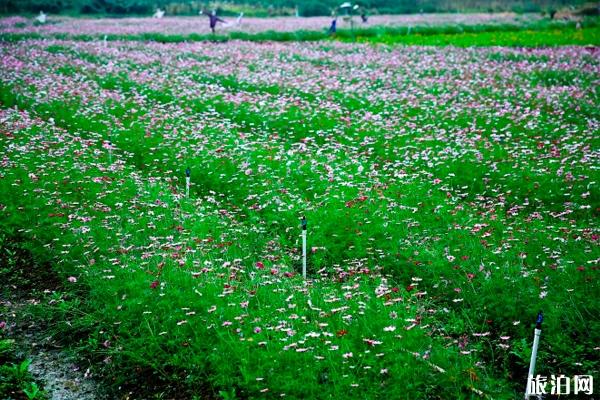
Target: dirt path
point(62, 376)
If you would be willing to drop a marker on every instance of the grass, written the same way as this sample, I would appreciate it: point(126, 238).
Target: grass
point(525, 38)
point(15, 380)
point(441, 221)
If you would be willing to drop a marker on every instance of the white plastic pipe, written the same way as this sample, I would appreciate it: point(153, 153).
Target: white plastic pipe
point(304, 253)
point(187, 186)
point(536, 342)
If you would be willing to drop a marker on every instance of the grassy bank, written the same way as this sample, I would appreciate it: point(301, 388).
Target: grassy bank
point(522, 38)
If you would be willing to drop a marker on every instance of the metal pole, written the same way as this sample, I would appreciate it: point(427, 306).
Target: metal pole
point(304, 247)
point(109, 152)
point(187, 182)
point(536, 342)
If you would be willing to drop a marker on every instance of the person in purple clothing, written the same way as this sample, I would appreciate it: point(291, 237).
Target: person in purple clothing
point(333, 26)
point(213, 19)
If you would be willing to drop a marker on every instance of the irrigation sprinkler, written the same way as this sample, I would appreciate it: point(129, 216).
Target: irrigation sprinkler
point(304, 247)
point(187, 181)
point(109, 152)
point(536, 342)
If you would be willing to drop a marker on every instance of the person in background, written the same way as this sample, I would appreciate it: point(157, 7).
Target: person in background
point(363, 15)
point(333, 26)
point(213, 19)
point(41, 18)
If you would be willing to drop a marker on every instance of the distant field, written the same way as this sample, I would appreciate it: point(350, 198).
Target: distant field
point(199, 25)
point(455, 30)
point(451, 193)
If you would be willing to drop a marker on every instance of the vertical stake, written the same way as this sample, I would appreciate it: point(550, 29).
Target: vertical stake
point(534, 350)
point(187, 182)
point(304, 247)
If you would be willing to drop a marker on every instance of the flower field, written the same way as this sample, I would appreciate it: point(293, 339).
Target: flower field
point(199, 24)
point(450, 193)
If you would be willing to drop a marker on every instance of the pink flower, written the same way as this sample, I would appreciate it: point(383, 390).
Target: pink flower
point(72, 279)
point(257, 329)
point(348, 355)
point(154, 285)
point(260, 265)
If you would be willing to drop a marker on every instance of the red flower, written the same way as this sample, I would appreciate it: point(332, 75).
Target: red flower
point(260, 265)
point(342, 332)
point(154, 285)
point(395, 289)
point(409, 288)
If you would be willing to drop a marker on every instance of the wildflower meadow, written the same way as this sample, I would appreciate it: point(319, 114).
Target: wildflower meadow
point(451, 192)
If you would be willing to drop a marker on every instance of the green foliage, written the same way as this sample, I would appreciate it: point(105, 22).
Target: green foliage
point(15, 380)
point(312, 8)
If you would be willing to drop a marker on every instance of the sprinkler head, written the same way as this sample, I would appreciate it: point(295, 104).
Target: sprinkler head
point(539, 320)
point(188, 172)
point(303, 223)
